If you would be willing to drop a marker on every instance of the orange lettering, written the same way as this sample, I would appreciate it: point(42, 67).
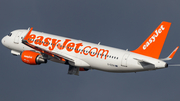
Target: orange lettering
point(107, 51)
point(46, 41)
point(70, 46)
point(92, 52)
point(39, 41)
point(77, 47)
point(31, 38)
point(64, 44)
point(53, 44)
point(84, 50)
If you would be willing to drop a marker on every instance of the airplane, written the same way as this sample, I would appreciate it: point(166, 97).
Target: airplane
point(37, 47)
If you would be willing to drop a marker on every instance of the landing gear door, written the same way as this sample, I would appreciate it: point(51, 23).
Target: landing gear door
point(124, 60)
point(17, 38)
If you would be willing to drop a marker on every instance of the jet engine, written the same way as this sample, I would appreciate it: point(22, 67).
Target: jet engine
point(32, 58)
point(83, 69)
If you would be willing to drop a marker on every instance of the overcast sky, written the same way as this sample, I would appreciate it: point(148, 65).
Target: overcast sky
point(122, 24)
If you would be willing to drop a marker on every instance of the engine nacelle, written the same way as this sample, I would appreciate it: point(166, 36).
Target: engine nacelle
point(32, 58)
point(83, 69)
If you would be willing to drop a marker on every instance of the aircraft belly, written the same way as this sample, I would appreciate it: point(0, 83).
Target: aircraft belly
point(109, 66)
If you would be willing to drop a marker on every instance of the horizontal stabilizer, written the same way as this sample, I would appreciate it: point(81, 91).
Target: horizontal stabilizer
point(143, 61)
point(145, 64)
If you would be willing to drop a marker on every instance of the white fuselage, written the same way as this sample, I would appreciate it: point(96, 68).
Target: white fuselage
point(112, 60)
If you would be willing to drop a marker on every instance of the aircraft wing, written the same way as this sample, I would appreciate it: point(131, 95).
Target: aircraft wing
point(60, 56)
point(57, 56)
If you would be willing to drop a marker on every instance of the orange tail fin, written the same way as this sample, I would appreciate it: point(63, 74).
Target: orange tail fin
point(153, 45)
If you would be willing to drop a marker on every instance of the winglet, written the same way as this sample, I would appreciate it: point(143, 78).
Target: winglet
point(171, 55)
point(153, 45)
point(29, 32)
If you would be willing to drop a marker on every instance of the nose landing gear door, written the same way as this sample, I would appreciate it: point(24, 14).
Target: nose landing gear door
point(17, 38)
point(124, 60)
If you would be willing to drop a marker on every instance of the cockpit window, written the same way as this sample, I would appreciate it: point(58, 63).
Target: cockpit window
point(9, 34)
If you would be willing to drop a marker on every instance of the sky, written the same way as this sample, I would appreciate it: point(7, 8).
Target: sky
point(123, 24)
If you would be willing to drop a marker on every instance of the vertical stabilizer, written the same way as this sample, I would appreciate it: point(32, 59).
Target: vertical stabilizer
point(153, 45)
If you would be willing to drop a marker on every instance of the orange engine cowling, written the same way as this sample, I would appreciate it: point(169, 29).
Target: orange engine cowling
point(32, 58)
point(83, 69)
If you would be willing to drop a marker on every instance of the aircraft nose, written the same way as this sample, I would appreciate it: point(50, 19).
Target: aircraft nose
point(3, 41)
